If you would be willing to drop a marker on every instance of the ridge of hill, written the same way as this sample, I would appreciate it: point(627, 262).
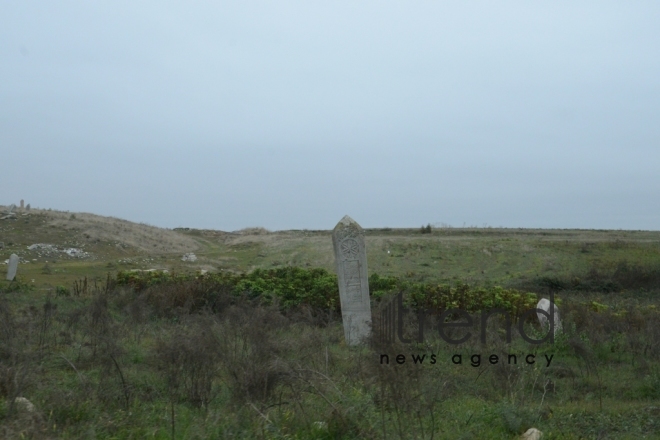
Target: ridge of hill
point(73, 245)
point(85, 229)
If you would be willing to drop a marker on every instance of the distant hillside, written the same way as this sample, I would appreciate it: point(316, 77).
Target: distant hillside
point(92, 245)
point(39, 225)
point(137, 235)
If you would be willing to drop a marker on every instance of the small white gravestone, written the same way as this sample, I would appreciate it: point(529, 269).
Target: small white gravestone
point(13, 267)
point(351, 263)
point(544, 304)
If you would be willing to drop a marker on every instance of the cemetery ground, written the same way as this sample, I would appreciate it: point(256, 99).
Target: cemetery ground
point(102, 352)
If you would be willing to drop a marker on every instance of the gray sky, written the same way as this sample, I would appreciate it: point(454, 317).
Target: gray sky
point(289, 115)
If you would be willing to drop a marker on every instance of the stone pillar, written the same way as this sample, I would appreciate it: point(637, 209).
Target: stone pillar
point(22, 203)
point(13, 267)
point(351, 264)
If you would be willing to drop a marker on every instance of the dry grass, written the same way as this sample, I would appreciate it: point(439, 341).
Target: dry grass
point(135, 235)
point(254, 231)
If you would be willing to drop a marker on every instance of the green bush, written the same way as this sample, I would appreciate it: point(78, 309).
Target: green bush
point(379, 286)
point(317, 288)
point(16, 286)
point(293, 286)
point(426, 229)
point(62, 291)
point(462, 296)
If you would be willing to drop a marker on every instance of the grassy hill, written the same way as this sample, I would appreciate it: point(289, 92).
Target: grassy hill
point(514, 257)
point(220, 356)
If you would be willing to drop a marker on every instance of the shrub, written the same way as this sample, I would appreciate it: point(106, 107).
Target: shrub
point(462, 296)
point(62, 291)
point(189, 358)
point(426, 229)
point(17, 286)
point(293, 286)
point(317, 289)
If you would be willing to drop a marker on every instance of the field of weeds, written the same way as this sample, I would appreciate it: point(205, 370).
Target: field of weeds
point(237, 356)
point(255, 348)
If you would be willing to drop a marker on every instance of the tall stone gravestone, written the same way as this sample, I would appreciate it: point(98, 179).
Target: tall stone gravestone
point(13, 267)
point(351, 263)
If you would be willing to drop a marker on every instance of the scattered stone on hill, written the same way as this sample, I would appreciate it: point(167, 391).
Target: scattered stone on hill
point(189, 257)
point(9, 213)
point(351, 264)
point(76, 253)
point(148, 270)
point(532, 434)
point(132, 236)
point(46, 248)
point(13, 267)
point(49, 250)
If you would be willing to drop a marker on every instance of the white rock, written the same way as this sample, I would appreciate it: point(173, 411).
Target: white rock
point(76, 253)
point(49, 249)
point(189, 257)
point(532, 434)
point(42, 246)
point(148, 270)
point(23, 404)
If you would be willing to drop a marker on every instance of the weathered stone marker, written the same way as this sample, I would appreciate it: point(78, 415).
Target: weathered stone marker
point(351, 263)
point(13, 267)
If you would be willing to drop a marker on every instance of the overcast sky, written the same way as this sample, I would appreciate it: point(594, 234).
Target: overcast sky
point(291, 114)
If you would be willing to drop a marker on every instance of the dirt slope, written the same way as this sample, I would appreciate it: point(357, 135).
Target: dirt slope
point(59, 227)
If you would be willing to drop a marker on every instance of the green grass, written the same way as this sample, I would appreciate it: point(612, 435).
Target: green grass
point(604, 381)
point(473, 255)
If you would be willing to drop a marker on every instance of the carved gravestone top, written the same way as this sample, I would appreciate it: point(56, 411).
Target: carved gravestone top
point(351, 264)
point(13, 267)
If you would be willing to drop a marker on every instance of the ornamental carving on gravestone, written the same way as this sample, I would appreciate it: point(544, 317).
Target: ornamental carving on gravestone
point(351, 263)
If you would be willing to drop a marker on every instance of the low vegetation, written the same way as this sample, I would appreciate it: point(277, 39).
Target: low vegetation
point(254, 348)
point(261, 354)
